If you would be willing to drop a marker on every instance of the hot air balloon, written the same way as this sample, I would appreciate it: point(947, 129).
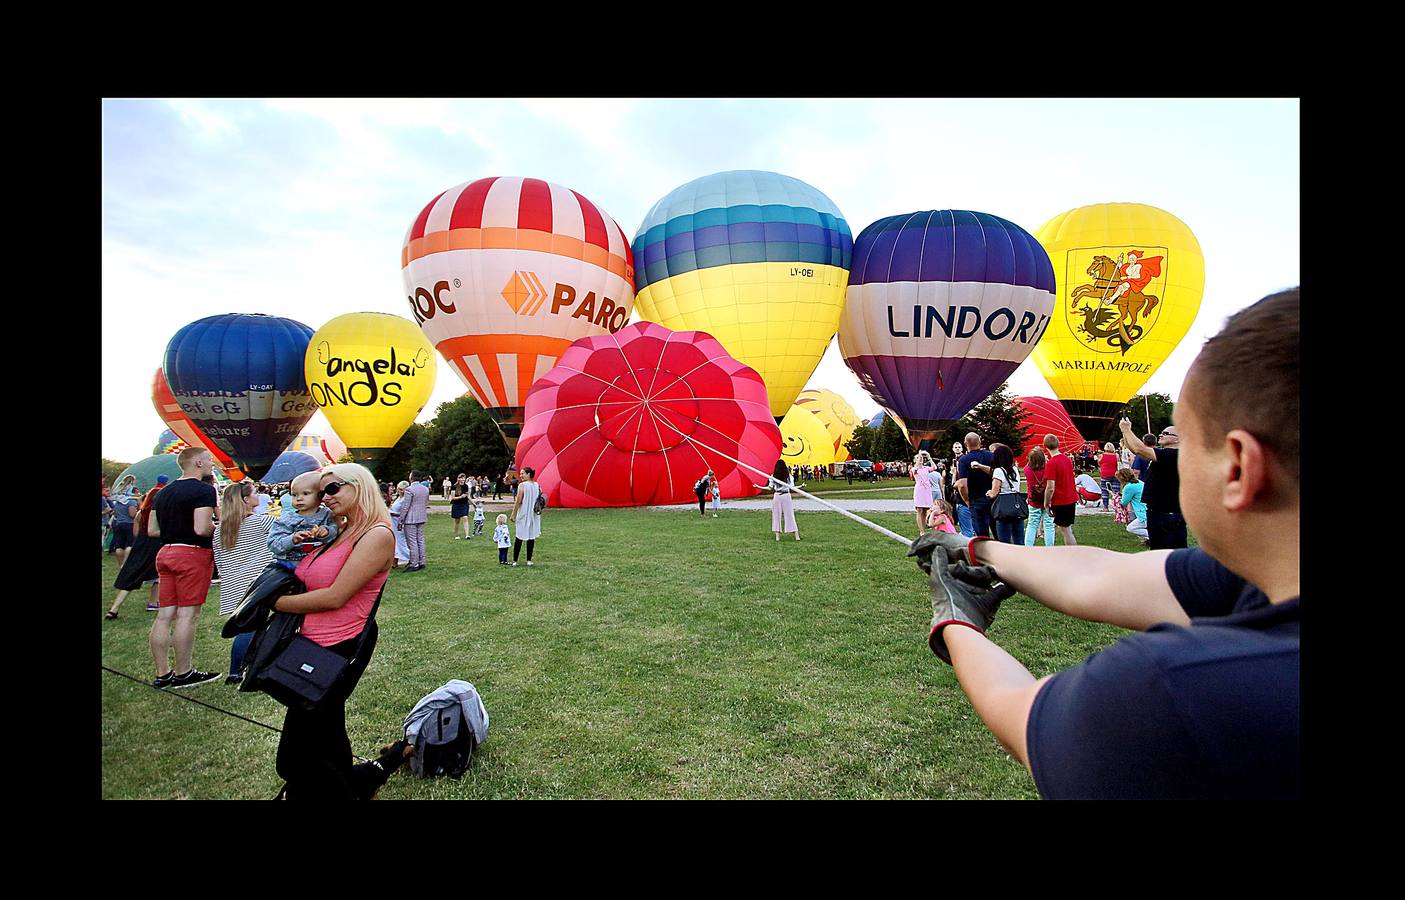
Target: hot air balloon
point(637, 417)
point(240, 380)
point(804, 439)
point(147, 469)
point(838, 417)
point(371, 374)
point(1044, 415)
point(877, 421)
point(289, 465)
point(942, 307)
point(756, 259)
point(170, 412)
point(311, 444)
point(1129, 283)
point(169, 442)
point(503, 274)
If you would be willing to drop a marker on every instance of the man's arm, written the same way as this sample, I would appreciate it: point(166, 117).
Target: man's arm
point(205, 521)
point(1129, 590)
point(1134, 443)
point(999, 687)
point(961, 489)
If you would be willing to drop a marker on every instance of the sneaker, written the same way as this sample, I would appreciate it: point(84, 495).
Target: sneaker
point(529, 562)
point(164, 681)
point(152, 608)
point(233, 679)
point(714, 515)
point(514, 565)
point(192, 678)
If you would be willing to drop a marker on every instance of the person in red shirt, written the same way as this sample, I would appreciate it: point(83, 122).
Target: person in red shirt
point(1060, 493)
point(1107, 468)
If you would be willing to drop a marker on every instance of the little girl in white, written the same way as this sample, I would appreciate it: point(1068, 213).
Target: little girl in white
point(477, 518)
point(501, 537)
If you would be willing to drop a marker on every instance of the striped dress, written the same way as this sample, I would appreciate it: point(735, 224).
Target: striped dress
point(240, 566)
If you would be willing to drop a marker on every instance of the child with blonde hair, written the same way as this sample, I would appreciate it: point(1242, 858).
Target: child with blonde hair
point(502, 538)
point(941, 517)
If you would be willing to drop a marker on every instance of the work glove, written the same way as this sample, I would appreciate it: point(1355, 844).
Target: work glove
point(961, 595)
point(957, 546)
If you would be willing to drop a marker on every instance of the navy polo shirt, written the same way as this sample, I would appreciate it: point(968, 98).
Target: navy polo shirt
point(1210, 710)
point(977, 482)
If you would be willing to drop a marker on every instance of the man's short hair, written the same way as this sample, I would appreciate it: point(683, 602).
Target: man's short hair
point(1149, 440)
point(1051, 441)
point(1246, 377)
point(188, 456)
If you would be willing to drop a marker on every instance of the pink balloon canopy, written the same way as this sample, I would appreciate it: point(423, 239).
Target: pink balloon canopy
point(637, 417)
point(1044, 415)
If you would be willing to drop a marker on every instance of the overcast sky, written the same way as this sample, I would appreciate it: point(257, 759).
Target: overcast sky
point(299, 207)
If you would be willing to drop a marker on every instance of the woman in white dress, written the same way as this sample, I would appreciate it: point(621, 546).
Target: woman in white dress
point(527, 522)
point(397, 509)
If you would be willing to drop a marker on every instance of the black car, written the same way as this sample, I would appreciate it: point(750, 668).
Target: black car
point(861, 469)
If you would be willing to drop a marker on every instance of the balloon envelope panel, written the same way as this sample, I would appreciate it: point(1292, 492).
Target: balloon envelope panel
point(1044, 416)
point(371, 375)
point(178, 422)
point(1116, 321)
point(239, 378)
point(804, 439)
point(942, 307)
point(147, 469)
point(757, 259)
point(637, 418)
point(169, 442)
point(503, 273)
point(838, 417)
point(289, 465)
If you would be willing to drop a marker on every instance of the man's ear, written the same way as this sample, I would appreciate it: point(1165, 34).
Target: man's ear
point(1246, 474)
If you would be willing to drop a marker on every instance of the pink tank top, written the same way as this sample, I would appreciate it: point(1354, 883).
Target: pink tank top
point(336, 625)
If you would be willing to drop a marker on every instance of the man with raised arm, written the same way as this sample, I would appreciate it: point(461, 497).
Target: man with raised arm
point(1203, 701)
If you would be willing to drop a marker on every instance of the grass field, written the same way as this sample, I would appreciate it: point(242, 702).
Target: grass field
point(650, 653)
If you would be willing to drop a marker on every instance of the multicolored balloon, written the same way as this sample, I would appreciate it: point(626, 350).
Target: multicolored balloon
point(636, 418)
point(239, 378)
point(943, 306)
point(504, 273)
point(169, 442)
point(838, 417)
point(371, 375)
point(333, 447)
point(179, 423)
point(1043, 416)
point(1130, 278)
point(756, 259)
point(311, 444)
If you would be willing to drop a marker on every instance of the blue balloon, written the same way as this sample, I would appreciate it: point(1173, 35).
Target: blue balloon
point(290, 465)
point(240, 380)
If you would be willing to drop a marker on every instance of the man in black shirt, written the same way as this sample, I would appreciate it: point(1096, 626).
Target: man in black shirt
point(1203, 701)
point(1165, 526)
point(183, 516)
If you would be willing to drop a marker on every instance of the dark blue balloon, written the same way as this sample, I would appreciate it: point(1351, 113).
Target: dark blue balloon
point(289, 465)
point(240, 380)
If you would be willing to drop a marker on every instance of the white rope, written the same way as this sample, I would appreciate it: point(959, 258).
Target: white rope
point(843, 512)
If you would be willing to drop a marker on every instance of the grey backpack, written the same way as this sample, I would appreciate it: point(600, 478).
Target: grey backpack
point(445, 728)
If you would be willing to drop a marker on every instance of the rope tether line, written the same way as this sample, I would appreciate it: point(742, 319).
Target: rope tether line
point(217, 709)
point(767, 475)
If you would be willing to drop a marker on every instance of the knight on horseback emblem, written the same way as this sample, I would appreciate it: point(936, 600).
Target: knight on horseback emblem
point(1113, 303)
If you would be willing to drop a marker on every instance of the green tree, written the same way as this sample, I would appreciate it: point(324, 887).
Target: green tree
point(462, 437)
point(889, 445)
point(111, 469)
point(1136, 409)
point(395, 465)
point(861, 444)
point(997, 419)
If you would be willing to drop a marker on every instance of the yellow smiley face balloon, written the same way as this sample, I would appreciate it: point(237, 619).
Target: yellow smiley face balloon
point(1129, 278)
point(370, 374)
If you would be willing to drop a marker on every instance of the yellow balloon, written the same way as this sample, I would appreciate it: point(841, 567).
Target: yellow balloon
point(804, 439)
point(838, 417)
point(370, 374)
point(1130, 278)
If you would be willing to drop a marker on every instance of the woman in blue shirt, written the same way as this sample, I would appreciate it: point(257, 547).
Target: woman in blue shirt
point(1132, 500)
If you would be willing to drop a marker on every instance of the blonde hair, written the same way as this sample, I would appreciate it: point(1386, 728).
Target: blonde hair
point(502, 518)
point(923, 458)
point(370, 508)
point(232, 512)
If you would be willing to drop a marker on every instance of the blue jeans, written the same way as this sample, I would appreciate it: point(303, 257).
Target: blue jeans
point(1010, 531)
point(1037, 518)
point(237, 650)
point(980, 516)
point(963, 520)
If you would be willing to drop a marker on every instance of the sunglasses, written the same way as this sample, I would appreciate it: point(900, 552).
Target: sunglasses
point(331, 489)
point(1169, 434)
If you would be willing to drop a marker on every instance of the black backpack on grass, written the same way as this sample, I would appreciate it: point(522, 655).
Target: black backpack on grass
point(445, 745)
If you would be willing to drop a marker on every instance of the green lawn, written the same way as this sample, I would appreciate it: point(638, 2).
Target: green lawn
point(651, 653)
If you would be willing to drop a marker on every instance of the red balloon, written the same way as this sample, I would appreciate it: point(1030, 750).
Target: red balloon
point(637, 417)
point(1044, 415)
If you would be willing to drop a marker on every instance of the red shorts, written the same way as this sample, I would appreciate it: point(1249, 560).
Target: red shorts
point(185, 574)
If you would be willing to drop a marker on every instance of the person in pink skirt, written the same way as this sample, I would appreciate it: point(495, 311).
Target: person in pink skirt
point(922, 470)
